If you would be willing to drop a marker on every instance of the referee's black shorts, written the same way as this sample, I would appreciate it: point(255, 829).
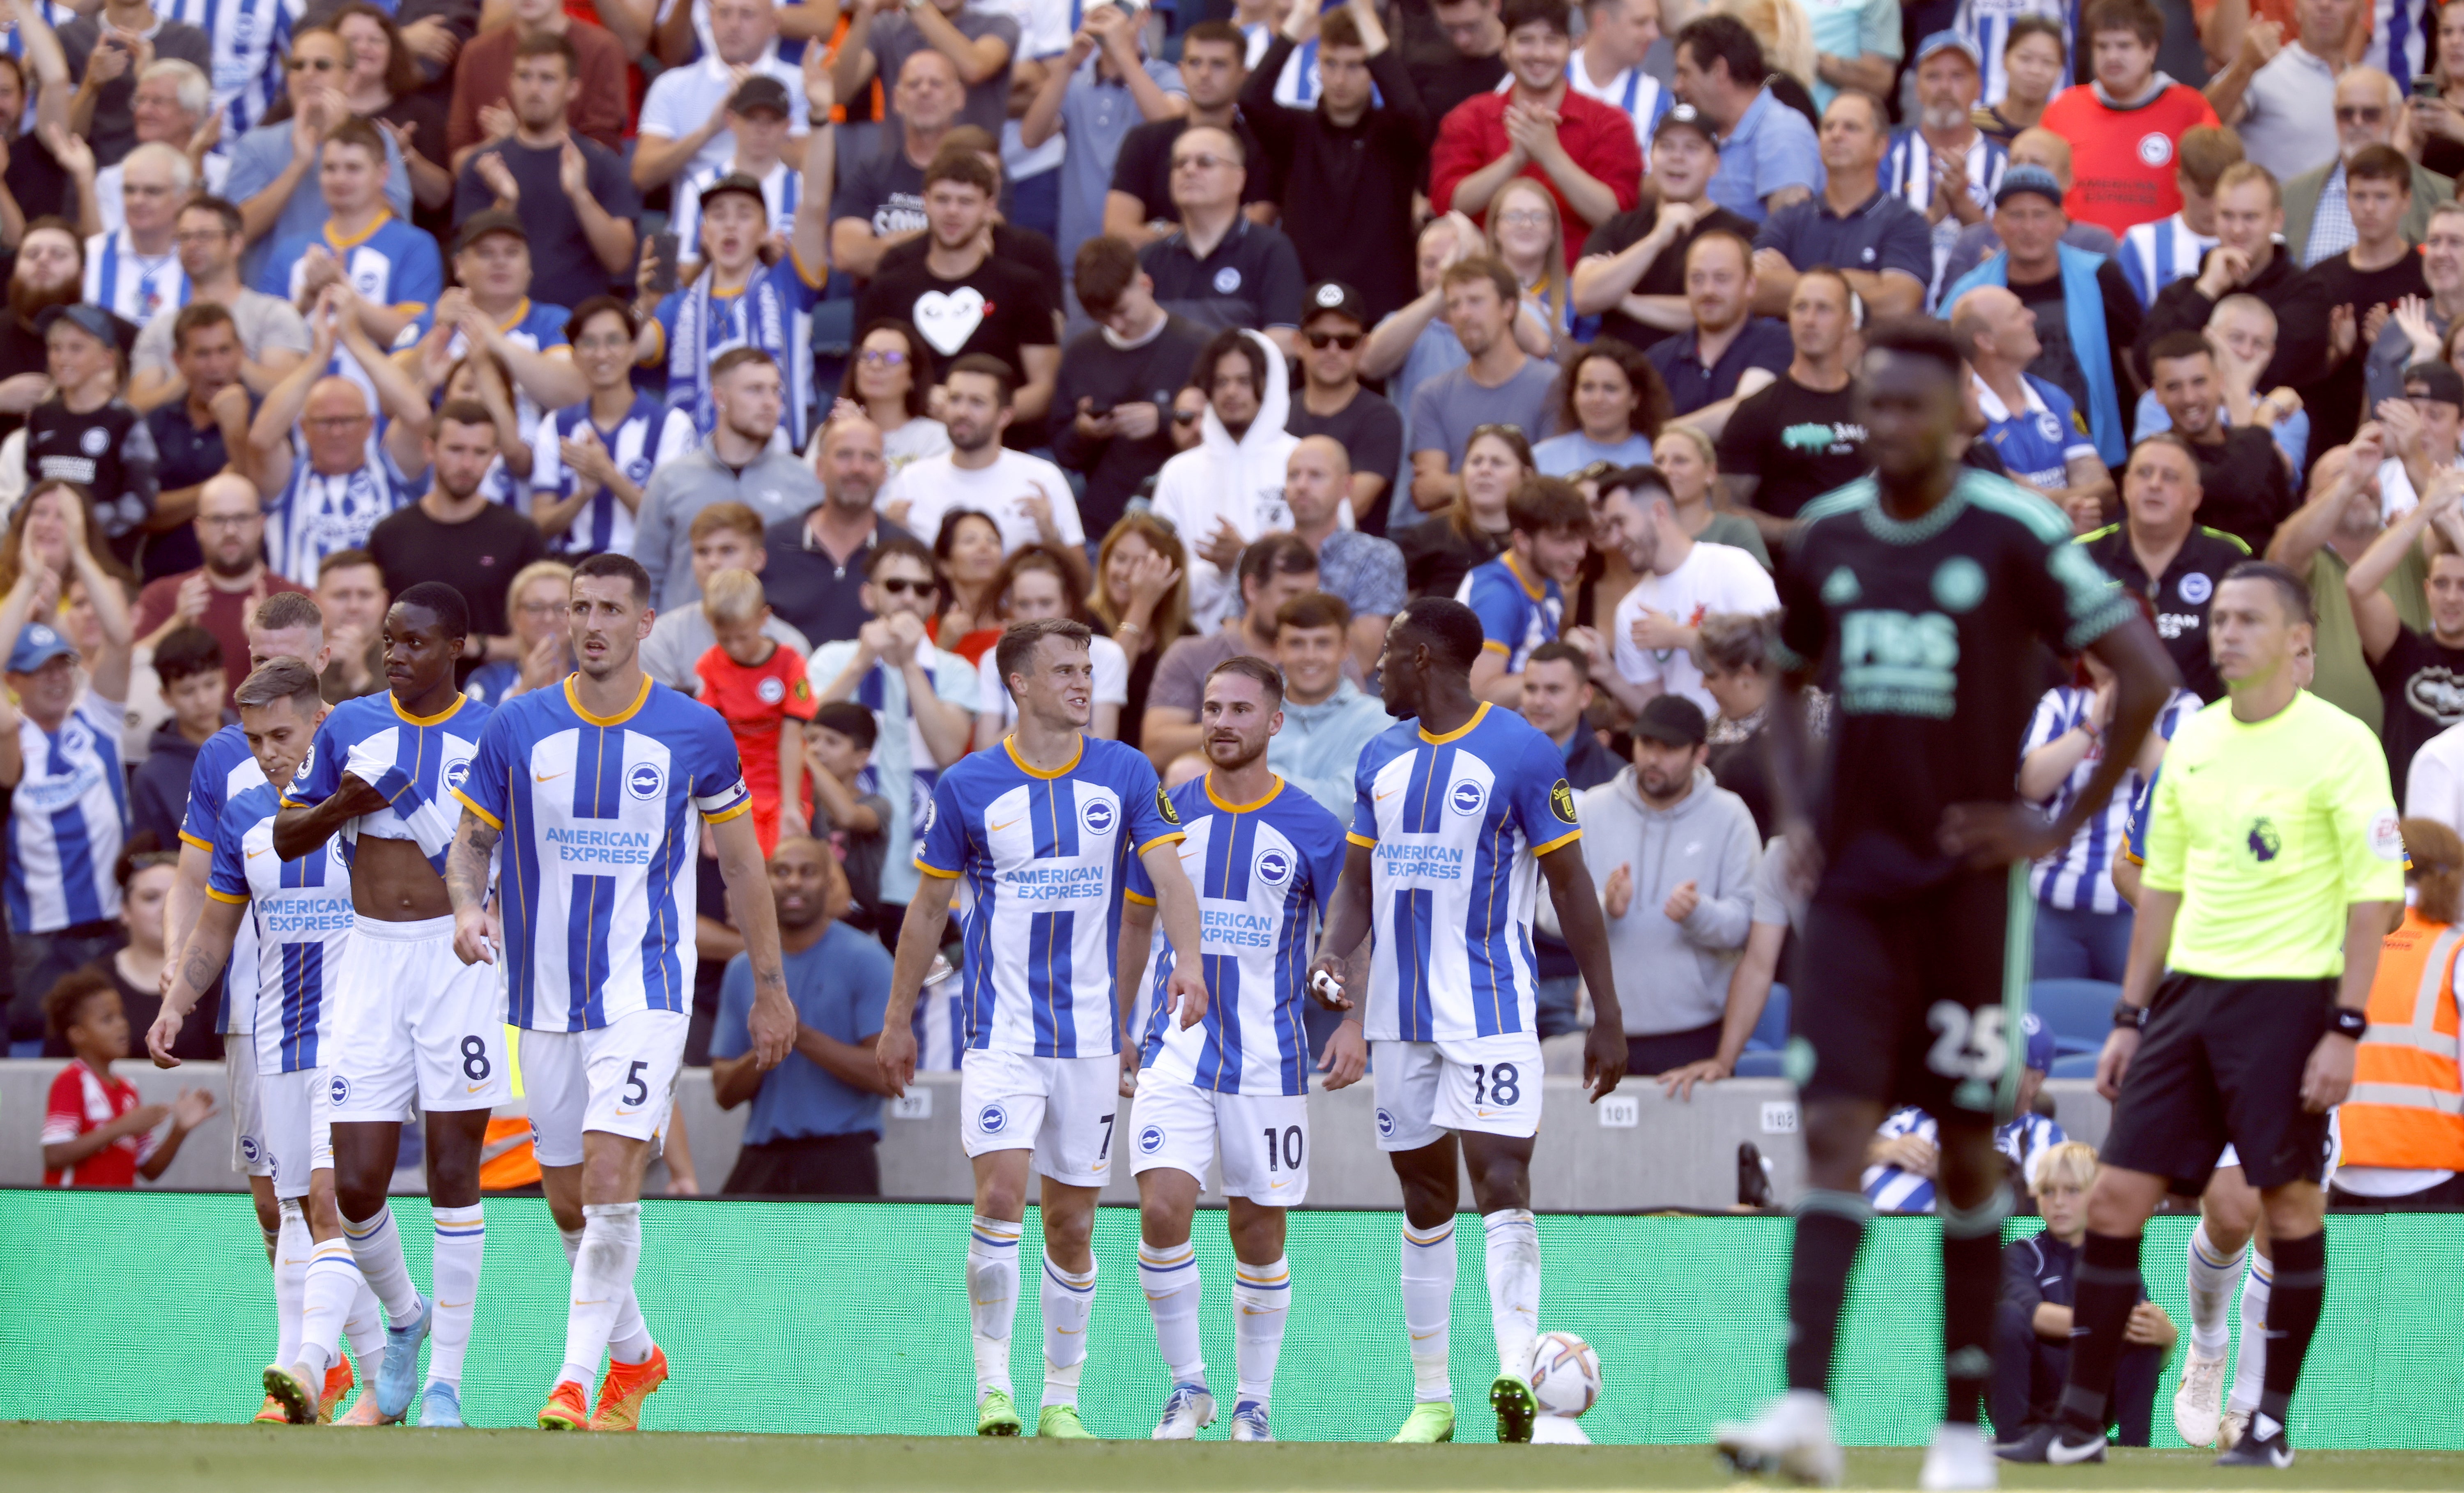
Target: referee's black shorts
point(1901, 999)
point(2221, 1062)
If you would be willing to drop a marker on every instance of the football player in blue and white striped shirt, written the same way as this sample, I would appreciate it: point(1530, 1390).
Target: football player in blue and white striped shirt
point(411, 1019)
point(1264, 857)
point(598, 791)
point(69, 812)
point(1462, 808)
point(591, 461)
point(298, 914)
point(1033, 839)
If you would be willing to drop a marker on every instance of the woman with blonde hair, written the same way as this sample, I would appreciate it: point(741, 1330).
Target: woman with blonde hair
point(1440, 550)
point(1141, 598)
point(538, 600)
point(1691, 463)
point(1528, 234)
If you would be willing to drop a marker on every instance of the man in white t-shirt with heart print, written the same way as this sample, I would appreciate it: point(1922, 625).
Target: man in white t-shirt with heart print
point(1683, 581)
point(962, 299)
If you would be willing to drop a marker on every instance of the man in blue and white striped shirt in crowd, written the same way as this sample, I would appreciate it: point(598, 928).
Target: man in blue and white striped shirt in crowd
point(2155, 255)
point(1942, 165)
point(1904, 1157)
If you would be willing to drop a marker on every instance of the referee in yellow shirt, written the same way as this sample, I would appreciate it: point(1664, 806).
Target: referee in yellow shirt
point(2274, 867)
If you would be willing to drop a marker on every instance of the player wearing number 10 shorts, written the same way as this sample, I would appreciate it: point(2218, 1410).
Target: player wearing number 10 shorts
point(1461, 807)
point(1264, 857)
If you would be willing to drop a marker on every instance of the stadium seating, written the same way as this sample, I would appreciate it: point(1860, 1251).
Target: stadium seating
point(2080, 1012)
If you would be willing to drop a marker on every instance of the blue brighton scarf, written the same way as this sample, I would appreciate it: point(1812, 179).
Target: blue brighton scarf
point(763, 321)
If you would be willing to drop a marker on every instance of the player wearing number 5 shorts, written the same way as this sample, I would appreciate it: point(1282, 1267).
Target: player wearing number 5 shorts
point(2275, 870)
point(409, 1021)
point(1034, 838)
point(1264, 857)
point(1461, 808)
point(1922, 592)
point(596, 791)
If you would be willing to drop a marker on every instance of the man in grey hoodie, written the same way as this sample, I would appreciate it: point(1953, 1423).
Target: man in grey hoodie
point(1674, 854)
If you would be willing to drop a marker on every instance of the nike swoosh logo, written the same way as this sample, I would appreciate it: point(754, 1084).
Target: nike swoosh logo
point(472, 1089)
point(1422, 1337)
point(548, 777)
point(1276, 1187)
point(997, 829)
point(253, 854)
point(1382, 796)
point(1068, 1331)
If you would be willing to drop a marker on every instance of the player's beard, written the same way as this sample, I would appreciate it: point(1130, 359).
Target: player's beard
point(28, 302)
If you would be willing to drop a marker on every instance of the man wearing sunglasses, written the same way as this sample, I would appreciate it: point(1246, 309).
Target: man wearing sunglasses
point(274, 167)
point(2318, 223)
point(1334, 326)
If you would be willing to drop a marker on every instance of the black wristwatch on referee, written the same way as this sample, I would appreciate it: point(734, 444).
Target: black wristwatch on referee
point(2129, 1018)
point(2345, 1021)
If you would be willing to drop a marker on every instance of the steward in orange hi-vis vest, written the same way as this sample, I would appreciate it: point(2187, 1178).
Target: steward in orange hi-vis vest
point(2407, 1107)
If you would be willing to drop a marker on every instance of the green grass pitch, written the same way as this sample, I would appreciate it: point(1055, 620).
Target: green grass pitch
point(64, 1457)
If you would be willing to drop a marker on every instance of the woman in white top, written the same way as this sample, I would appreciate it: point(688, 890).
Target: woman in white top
point(1610, 405)
point(1036, 583)
point(1529, 236)
point(891, 372)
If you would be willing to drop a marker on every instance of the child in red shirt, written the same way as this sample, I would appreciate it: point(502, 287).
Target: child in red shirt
point(94, 1132)
point(758, 684)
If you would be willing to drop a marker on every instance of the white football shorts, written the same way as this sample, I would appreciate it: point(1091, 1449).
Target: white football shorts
point(1061, 1109)
point(298, 1130)
point(1426, 1088)
point(409, 1020)
point(243, 1097)
point(1265, 1138)
point(619, 1078)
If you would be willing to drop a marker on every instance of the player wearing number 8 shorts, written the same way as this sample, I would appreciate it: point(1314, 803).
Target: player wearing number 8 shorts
point(599, 789)
point(1924, 591)
point(1264, 857)
point(1034, 838)
point(409, 1021)
point(1461, 808)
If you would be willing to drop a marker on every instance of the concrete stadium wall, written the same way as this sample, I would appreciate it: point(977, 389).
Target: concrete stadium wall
point(1635, 1150)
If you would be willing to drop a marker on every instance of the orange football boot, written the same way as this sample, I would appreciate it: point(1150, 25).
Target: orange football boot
point(622, 1392)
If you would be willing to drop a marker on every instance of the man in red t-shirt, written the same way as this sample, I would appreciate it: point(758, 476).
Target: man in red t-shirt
point(2125, 129)
point(94, 1132)
point(758, 684)
point(1582, 150)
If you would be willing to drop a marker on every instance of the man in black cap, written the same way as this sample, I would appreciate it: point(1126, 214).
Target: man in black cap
point(758, 118)
point(1351, 163)
point(1334, 335)
point(1631, 274)
point(575, 201)
point(963, 298)
point(86, 434)
point(1114, 391)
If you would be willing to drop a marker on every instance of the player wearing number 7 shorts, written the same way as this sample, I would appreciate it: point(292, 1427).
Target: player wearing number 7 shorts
point(1034, 838)
point(1264, 857)
point(598, 790)
point(410, 1022)
point(1461, 808)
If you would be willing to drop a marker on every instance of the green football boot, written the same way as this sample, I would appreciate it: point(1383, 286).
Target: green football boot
point(1430, 1421)
point(1516, 1407)
point(1062, 1423)
point(996, 1415)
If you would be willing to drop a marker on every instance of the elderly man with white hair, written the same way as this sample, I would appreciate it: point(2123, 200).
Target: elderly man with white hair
point(135, 269)
point(2317, 223)
point(171, 104)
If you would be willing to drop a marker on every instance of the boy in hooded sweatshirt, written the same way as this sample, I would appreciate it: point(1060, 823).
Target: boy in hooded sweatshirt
point(1228, 488)
point(1674, 855)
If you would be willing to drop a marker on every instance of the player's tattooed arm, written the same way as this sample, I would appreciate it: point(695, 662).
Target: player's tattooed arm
point(466, 882)
point(209, 948)
point(919, 939)
point(748, 896)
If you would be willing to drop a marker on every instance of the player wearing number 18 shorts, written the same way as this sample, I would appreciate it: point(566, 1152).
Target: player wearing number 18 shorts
point(599, 789)
point(1264, 857)
point(1922, 592)
point(1463, 807)
point(410, 1022)
point(1034, 838)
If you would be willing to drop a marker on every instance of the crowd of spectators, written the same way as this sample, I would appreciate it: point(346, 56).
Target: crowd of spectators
point(872, 328)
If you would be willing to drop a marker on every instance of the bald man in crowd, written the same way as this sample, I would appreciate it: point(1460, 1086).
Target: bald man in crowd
point(1365, 572)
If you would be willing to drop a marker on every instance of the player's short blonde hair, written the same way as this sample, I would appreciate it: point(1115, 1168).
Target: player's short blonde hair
point(2073, 1161)
point(734, 596)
